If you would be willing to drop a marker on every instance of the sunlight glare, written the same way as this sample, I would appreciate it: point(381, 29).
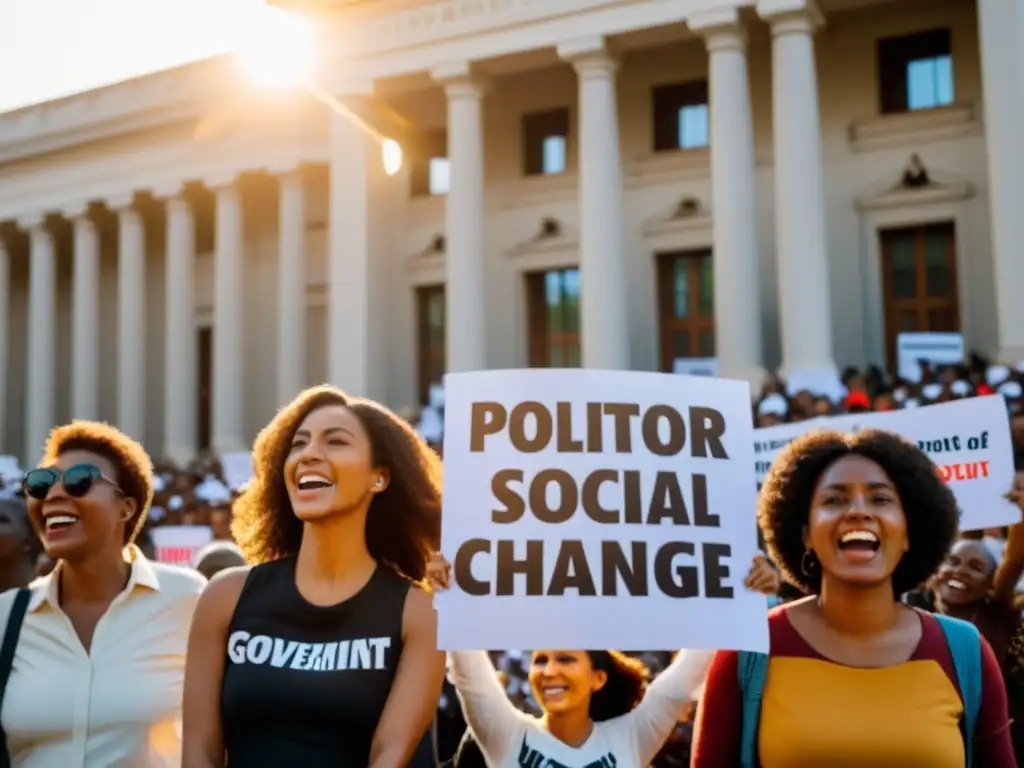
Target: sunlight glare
point(391, 155)
point(275, 47)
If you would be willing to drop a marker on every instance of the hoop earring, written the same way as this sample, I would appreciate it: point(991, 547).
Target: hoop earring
point(809, 563)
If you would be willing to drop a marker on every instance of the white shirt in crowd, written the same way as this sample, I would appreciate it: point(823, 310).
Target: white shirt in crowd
point(510, 738)
point(118, 706)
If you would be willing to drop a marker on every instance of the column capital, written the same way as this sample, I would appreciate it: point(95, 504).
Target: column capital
point(76, 210)
point(121, 203)
point(32, 221)
point(721, 28)
point(459, 80)
point(791, 16)
point(166, 190)
point(286, 172)
point(221, 181)
point(589, 55)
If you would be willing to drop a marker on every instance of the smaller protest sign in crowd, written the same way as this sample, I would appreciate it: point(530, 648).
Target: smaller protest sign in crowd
point(739, 584)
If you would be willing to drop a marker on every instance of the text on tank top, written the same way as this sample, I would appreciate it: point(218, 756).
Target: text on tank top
point(305, 684)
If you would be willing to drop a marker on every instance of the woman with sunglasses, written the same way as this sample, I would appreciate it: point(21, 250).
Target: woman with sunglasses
point(324, 653)
point(99, 666)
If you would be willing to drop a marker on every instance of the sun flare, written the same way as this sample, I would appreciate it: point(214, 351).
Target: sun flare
point(275, 47)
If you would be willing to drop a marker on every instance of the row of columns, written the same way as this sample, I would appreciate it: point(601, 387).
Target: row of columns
point(180, 372)
point(800, 215)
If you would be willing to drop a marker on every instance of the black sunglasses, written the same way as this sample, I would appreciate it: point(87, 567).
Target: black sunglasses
point(77, 480)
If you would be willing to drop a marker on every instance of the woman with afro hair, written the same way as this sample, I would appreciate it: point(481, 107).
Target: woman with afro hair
point(597, 708)
point(854, 677)
point(322, 652)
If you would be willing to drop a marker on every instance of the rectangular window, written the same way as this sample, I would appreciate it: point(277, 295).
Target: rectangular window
point(686, 306)
point(553, 311)
point(680, 116)
point(429, 164)
point(919, 282)
point(915, 72)
point(430, 335)
point(545, 136)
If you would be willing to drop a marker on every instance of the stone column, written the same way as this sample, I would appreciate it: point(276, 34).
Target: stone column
point(801, 240)
point(291, 288)
point(465, 245)
point(85, 316)
point(40, 363)
point(228, 411)
point(604, 320)
point(5, 334)
point(738, 323)
point(131, 319)
point(181, 379)
point(356, 269)
point(1004, 128)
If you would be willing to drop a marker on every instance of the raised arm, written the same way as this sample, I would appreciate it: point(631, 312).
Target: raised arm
point(1010, 570)
point(416, 690)
point(665, 702)
point(495, 722)
point(203, 737)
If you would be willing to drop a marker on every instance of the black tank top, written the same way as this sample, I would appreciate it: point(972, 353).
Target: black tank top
point(305, 685)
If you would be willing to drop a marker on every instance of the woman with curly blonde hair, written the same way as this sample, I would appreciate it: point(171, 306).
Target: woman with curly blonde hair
point(324, 651)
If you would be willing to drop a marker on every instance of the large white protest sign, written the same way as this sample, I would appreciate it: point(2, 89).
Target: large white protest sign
point(969, 441)
point(598, 509)
point(178, 544)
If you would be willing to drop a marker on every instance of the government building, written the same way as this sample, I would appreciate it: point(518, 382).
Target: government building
point(778, 185)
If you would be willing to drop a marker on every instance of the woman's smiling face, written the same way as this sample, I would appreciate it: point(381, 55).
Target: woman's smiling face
point(563, 681)
point(856, 526)
point(965, 576)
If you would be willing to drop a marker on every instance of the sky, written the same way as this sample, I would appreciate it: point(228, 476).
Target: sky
point(54, 48)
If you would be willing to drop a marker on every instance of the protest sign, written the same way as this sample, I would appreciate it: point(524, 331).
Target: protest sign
point(179, 544)
point(598, 509)
point(969, 441)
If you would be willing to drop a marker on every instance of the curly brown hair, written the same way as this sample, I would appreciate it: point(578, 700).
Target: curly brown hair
point(928, 504)
point(404, 524)
point(133, 466)
point(626, 685)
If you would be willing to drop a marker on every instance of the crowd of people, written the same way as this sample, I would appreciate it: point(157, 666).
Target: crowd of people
point(329, 587)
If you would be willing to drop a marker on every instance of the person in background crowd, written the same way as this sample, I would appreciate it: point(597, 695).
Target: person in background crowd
point(972, 585)
point(220, 523)
point(855, 520)
point(325, 652)
point(597, 708)
point(98, 670)
point(218, 556)
point(19, 545)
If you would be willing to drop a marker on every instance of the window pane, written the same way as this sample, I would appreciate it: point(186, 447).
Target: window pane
point(906, 320)
point(902, 264)
point(936, 262)
point(944, 80)
point(706, 344)
point(707, 287)
point(681, 289)
point(439, 176)
point(681, 344)
point(942, 319)
point(693, 126)
point(930, 82)
point(554, 154)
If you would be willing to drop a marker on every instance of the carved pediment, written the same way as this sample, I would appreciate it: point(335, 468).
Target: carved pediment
point(551, 236)
point(915, 184)
point(687, 213)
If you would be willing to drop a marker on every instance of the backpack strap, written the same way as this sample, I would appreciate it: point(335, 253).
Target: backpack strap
point(965, 647)
point(7, 649)
point(752, 669)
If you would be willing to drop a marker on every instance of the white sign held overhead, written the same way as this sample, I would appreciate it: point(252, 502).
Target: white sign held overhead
point(573, 495)
point(933, 348)
point(969, 441)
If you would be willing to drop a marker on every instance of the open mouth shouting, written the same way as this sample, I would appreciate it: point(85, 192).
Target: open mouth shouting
point(311, 484)
point(859, 545)
point(58, 522)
